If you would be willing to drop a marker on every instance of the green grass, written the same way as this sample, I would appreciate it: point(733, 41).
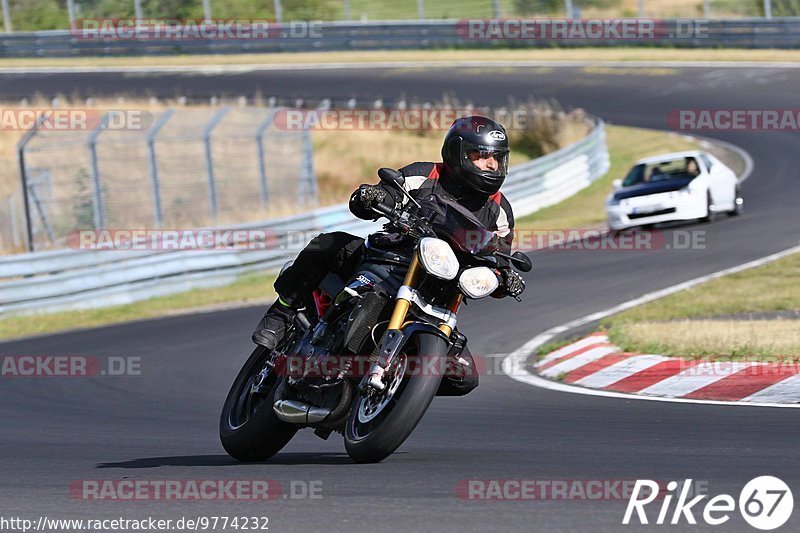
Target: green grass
point(250, 289)
point(773, 287)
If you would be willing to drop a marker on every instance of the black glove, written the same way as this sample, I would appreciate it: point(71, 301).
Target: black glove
point(511, 283)
point(371, 195)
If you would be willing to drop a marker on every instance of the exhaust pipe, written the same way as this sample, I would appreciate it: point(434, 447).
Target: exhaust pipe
point(296, 412)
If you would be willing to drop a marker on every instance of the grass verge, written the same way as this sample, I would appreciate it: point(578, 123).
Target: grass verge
point(651, 55)
point(249, 289)
point(724, 318)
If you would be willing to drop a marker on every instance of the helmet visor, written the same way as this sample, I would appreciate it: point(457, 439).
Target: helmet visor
point(486, 160)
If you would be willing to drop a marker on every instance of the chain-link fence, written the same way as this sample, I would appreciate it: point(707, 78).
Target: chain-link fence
point(174, 169)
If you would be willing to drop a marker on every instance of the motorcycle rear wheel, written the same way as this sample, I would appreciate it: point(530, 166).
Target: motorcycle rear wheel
point(248, 428)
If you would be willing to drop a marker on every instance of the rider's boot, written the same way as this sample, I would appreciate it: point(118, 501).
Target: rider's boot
point(273, 325)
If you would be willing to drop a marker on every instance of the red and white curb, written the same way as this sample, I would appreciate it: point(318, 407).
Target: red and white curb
point(780, 393)
point(596, 363)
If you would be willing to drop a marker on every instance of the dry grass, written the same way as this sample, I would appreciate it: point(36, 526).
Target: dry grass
point(544, 54)
point(342, 159)
point(715, 338)
point(773, 287)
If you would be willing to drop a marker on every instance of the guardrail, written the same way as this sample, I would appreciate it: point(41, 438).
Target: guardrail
point(349, 36)
point(74, 279)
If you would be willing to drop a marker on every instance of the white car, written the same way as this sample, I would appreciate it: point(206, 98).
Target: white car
point(676, 186)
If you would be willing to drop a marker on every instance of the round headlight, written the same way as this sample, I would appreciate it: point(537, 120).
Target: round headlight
point(438, 258)
point(478, 282)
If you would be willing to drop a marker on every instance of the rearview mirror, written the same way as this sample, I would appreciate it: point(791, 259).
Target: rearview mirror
point(391, 175)
point(617, 184)
point(521, 261)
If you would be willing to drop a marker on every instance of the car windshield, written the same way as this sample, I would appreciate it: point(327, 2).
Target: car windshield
point(685, 167)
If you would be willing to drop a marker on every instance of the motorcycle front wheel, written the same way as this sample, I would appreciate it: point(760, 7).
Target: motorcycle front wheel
point(380, 422)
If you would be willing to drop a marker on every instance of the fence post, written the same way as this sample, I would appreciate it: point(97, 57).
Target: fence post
point(421, 9)
point(6, 17)
point(278, 11)
point(151, 158)
point(97, 204)
point(641, 8)
point(707, 9)
point(308, 179)
point(23, 178)
point(137, 11)
point(262, 164)
point(71, 13)
point(768, 9)
point(212, 184)
point(12, 215)
point(496, 9)
point(207, 9)
point(569, 8)
point(346, 10)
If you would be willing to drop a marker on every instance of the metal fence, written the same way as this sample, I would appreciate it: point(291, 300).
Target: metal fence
point(173, 168)
point(350, 36)
point(71, 279)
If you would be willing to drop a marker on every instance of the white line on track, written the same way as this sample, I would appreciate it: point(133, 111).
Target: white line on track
point(515, 364)
point(238, 69)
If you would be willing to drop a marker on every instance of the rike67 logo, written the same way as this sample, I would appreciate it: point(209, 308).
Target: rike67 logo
point(765, 503)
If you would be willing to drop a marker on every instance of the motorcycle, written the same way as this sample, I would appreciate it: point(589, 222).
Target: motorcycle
point(366, 358)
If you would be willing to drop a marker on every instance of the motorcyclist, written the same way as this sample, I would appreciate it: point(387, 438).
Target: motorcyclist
point(474, 165)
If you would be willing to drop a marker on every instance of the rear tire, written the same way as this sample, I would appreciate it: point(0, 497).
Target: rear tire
point(251, 431)
point(738, 203)
point(374, 440)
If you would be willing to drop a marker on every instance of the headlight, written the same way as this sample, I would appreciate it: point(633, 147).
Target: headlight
point(478, 282)
point(438, 258)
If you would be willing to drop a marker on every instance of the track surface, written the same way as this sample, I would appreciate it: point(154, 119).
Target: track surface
point(162, 425)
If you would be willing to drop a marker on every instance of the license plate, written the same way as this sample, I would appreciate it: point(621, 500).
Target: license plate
point(645, 209)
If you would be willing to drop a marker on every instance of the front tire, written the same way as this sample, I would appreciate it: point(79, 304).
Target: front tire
point(373, 433)
point(248, 427)
point(711, 213)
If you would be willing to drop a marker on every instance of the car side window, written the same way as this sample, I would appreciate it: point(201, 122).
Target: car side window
point(707, 161)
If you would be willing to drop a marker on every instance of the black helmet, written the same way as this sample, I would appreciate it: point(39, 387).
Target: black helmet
point(476, 133)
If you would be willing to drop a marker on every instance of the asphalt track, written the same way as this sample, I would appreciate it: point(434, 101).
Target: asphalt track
point(163, 424)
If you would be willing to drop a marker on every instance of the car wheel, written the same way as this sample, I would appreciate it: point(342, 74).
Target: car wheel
point(711, 213)
point(738, 204)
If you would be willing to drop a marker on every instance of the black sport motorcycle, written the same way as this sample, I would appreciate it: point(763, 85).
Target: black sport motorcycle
point(365, 358)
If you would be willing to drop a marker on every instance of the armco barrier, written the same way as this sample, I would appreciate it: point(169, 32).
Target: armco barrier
point(397, 35)
point(75, 279)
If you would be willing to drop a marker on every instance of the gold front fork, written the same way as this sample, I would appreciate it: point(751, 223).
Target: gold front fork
point(401, 306)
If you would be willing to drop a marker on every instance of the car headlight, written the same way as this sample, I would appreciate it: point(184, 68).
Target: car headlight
point(478, 282)
point(438, 258)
